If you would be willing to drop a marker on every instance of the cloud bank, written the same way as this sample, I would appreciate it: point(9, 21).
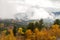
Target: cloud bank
point(8, 8)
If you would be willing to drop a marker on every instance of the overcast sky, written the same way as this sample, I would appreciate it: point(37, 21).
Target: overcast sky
point(41, 8)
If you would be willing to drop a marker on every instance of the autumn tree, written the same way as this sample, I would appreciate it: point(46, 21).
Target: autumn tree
point(28, 34)
point(20, 31)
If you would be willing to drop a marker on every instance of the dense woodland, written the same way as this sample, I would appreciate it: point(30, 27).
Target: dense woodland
point(32, 31)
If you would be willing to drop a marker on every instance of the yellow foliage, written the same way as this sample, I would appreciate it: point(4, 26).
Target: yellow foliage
point(44, 34)
point(20, 30)
point(36, 30)
point(28, 39)
point(52, 38)
point(55, 26)
point(11, 35)
point(28, 32)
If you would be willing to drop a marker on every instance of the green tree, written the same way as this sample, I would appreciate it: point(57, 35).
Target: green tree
point(57, 21)
point(15, 30)
point(36, 24)
point(41, 24)
point(31, 26)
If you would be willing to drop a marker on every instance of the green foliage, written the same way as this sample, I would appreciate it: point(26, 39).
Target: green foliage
point(15, 30)
point(41, 24)
point(31, 26)
point(57, 21)
point(38, 25)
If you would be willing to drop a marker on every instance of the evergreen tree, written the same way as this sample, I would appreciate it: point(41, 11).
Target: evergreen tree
point(57, 21)
point(15, 30)
point(41, 24)
point(31, 26)
point(36, 24)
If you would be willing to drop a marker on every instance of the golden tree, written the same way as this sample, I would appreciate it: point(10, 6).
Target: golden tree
point(28, 34)
point(20, 30)
point(11, 35)
point(3, 35)
point(36, 31)
point(55, 29)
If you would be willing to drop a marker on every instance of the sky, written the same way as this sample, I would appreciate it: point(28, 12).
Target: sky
point(41, 8)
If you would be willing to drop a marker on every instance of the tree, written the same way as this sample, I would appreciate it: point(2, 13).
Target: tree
point(31, 26)
point(41, 24)
point(15, 30)
point(28, 34)
point(36, 24)
point(57, 21)
point(20, 30)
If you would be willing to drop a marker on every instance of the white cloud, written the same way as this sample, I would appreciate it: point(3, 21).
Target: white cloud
point(40, 13)
point(10, 7)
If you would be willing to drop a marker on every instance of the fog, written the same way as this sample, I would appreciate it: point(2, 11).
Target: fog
point(8, 8)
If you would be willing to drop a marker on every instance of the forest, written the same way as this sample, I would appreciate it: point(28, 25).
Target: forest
point(33, 31)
